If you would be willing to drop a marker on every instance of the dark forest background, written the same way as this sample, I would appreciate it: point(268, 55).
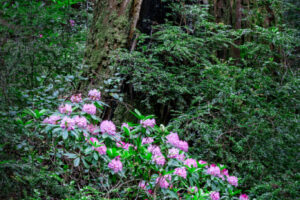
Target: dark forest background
point(224, 73)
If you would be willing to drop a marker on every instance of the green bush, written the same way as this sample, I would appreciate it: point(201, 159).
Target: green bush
point(239, 111)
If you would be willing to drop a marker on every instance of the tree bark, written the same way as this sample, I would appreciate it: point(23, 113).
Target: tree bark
point(113, 27)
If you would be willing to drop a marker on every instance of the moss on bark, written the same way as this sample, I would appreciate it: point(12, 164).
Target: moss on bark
point(109, 31)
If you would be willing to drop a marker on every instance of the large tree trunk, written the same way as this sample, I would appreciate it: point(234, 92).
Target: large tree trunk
point(113, 27)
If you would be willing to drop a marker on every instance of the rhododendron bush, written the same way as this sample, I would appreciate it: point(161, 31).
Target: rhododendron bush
point(138, 160)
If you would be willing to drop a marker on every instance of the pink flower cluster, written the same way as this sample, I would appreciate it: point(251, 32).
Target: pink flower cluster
point(51, 120)
point(173, 139)
point(101, 149)
point(158, 157)
point(115, 164)
point(124, 145)
point(202, 162)
point(215, 196)
point(162, 181)
point(232, 180)
point(147, 140)
point(76, 98)
point(215, 171)
point(108, 127)
point(125, 125)
point(174, 153)
point(92, 129)
point(67, 123)
point(72, 22)
point(243, 197)
point(81, 122)
point(94, 140)
point(190, 162)
point(155, 150)
point(143, 185)
point(89, 108)
point(148, 123)
point(95, 95)
point(181, 172)
point(65, 109)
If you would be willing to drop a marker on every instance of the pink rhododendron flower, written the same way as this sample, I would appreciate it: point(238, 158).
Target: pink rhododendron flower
point(148, 123)
point(126, 125)
point(143, 185)
point(159, 159)
point(180, 157)
point(102, 149)
point(76, 98)
point(172, 138)
point(162, 181)
point(173, 153)
point(67, 123)
point(155, 150)
point(81, 122)
point(243, 197)
point(72, 22)
point(213, 170)
point(127, 145)
point(95, 95)
point(224, 172)
point(190, 162)
point(89, 108)
point(108, 127)
point(51, 120)
point(232, 180)
point(183, 145)
point(147, 140)
point(65, 109)
point(215, 196)
point(46, 120)
point(202, 162)
point(94, 140)
point(120, 144)
point(85, 136)
point(41, 35)
point(193, 189)
point(92, 129)
point(115, 164)
point(180, 172)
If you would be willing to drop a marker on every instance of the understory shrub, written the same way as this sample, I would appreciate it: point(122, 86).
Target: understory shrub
point(243, 117)
point(137, 160)
point(240, 109)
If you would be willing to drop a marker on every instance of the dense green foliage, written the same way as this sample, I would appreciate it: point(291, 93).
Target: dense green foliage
point(239, 111)
point(233, 94)
point(39, 46)
point(128, 161)
point(41, 57)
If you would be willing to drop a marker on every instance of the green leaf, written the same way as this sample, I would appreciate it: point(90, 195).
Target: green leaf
point(65, 134)
point(172, 194)
point(70, 155)
point(76, 162)
point(98, 105)
point(95, 155)
point(85, 163)
point(88, 150)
